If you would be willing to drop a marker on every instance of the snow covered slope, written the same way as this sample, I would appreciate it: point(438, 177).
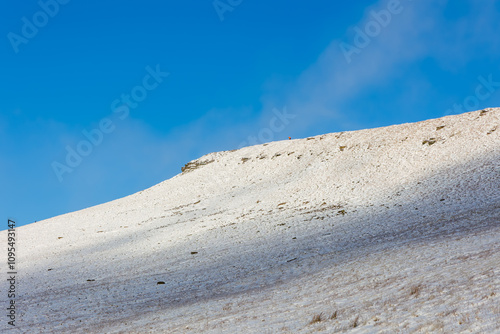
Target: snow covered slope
point(388, 230)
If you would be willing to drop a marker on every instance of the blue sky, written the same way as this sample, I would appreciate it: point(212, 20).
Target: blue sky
point(233, 66)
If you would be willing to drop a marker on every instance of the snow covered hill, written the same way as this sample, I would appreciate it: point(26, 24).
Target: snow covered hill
point(387, 230)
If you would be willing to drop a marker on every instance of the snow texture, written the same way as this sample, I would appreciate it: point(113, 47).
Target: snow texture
point(387, 230)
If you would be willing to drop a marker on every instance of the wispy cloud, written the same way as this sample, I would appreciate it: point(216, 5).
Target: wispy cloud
point(322, 95)
point(421, 32)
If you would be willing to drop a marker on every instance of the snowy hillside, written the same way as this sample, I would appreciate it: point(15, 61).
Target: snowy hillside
point(387, 230)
